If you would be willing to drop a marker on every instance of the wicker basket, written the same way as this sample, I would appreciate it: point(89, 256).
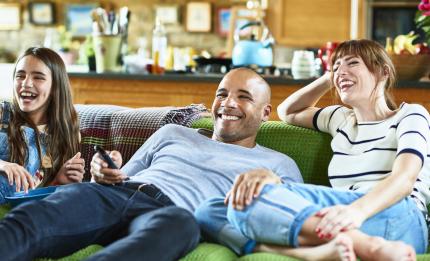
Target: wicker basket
point(411, 67)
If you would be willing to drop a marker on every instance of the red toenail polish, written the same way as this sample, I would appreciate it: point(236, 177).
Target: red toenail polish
point(328, 236)
point(317, 230)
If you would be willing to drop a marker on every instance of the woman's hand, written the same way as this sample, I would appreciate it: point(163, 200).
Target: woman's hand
point(72, 171)
point(18, 175)
point(338, 218)
point(248, 185)
point(102, 174)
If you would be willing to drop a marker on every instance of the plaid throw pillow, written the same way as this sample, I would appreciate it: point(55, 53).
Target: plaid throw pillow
point(126, 129)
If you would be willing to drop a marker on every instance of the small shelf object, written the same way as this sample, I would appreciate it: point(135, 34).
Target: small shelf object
point(78, 19)
point(168, 14)
point(199, 17)
point(223, 21)
point(10, 16)
point(42, 13)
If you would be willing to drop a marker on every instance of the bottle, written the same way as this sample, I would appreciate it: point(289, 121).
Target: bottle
point(143, 51)
point(169, 62)
point(389, 45)
point(159, 46)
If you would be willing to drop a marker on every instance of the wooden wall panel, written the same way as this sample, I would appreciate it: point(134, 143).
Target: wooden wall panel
point(154, 93)
point(299, 23)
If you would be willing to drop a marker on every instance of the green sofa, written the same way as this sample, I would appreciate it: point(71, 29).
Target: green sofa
point(310, 149)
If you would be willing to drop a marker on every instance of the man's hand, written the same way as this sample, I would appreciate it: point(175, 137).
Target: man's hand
point(338, 218)
point(248, 185)
point(17, 174)
point(104, 175)
point(72, 171)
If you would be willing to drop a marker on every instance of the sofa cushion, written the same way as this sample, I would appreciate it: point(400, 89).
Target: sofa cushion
point(125, 129)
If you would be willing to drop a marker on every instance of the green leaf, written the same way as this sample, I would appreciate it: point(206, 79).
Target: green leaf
point(418, 17)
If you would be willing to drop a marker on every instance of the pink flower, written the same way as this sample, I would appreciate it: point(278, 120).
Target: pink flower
point(422, 18)
point(424, 7)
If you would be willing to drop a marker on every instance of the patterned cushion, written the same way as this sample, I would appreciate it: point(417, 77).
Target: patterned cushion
point(126, 129)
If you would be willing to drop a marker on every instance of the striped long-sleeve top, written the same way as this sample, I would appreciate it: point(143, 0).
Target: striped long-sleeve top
point(364, 152)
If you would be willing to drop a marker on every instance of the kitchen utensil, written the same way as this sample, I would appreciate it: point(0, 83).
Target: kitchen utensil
point(253, 51)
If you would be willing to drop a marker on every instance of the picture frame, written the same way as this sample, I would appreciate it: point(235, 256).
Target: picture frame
point(78, 19)
point(199, 17)
point(223, 16)
point(168, 14)
point(42, 13)
point(10, 16)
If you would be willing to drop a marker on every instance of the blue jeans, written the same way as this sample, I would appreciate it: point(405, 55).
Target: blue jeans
point(131, 224)
point(212, 218)
point(5, 188)
point(278, 214)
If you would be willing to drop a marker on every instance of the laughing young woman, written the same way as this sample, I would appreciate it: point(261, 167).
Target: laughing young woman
point(39, 132)
point(380, 172)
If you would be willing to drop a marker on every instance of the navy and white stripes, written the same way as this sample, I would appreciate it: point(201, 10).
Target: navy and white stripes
point(364, 153)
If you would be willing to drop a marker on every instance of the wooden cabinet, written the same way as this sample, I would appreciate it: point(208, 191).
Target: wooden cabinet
point(301, 23)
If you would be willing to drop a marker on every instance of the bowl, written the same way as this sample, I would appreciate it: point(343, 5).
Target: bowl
point(411, 67)
point(33, 194)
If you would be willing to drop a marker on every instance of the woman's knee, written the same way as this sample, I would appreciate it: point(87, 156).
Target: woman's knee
point(237, 217)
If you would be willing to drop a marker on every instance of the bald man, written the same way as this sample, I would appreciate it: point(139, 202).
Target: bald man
point(143, 211)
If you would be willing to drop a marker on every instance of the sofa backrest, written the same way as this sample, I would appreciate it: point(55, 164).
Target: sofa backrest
point(126, 129)
point(310, 149)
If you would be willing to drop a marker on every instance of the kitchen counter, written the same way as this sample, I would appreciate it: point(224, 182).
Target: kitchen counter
point(216, 78)
point(144, 90)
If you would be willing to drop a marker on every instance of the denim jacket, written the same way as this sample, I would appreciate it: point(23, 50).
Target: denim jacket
point(32, 162)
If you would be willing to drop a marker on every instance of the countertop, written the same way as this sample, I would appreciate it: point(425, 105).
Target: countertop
point(196, 77)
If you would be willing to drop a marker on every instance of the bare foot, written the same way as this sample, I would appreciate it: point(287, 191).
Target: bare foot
point(393, 251)
point(338, 249)
point(344, 247)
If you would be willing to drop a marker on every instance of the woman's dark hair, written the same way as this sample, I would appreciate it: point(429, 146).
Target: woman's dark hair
point(62, 141)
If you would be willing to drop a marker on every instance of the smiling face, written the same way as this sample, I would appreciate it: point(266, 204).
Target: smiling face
point(32, 87)
point(241, 104)
point(363, 74)
point(353, 80)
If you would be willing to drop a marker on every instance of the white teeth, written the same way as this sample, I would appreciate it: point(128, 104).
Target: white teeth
point(346, 83)
point(229, 117)
point(28, 94)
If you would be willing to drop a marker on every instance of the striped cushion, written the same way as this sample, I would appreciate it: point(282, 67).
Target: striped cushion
point(126, 129)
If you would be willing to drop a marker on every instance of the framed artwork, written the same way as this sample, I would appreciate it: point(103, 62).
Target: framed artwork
point(199, 17)
point(78, 19)
point(42, 13)
point(223, 21)
point(168, 14)
point(10, 16)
